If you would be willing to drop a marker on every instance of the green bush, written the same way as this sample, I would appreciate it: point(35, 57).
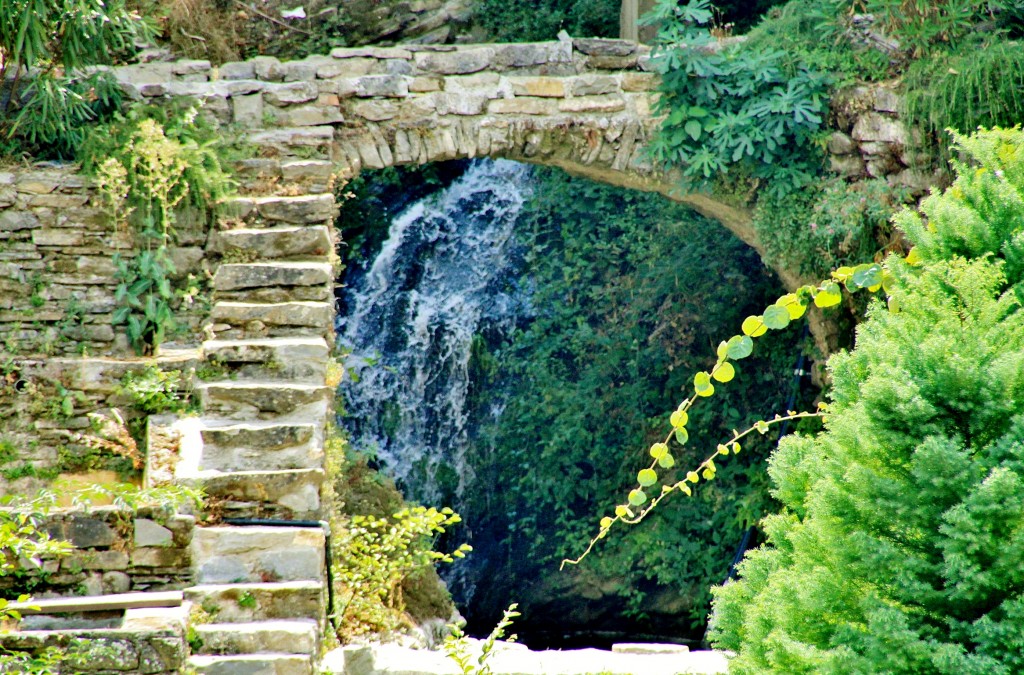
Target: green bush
point(731, 108)
point(901, 546)
point(814, 230)
point(978, 87)
point(59, 39)
point(529, 20)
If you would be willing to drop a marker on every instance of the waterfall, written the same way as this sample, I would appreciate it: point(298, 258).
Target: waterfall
point(447, 272)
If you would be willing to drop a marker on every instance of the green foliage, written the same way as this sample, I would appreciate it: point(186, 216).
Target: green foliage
point(757, 111)
point(153, 390)
point(532, 20)
point(457, 648)
point(977, 87)
point(900, 548)
point(374, 556)
point(629, 290)
point(821, 227)
point(148, 171)
point(58, 39)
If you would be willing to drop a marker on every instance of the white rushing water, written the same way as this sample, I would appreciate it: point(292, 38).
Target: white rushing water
point(445, 273)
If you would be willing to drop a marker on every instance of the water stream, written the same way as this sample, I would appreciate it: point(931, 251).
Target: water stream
point(447, 272)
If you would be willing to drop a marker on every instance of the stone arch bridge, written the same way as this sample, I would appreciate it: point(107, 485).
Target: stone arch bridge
point(584, 105)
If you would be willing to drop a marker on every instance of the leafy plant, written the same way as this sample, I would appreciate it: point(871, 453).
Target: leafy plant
point(457, 647)
point(900, 546)
point(523, 21)
point(726, 107)
point(977, 87)
point(56, 40)
point(147, 174)
point(374, 556)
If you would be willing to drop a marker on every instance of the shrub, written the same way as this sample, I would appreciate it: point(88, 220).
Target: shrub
point(901, 547)
point(978, 87)
point(59, 39)
point(734, 108)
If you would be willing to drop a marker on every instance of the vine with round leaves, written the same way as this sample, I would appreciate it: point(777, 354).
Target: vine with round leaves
point(777, 316)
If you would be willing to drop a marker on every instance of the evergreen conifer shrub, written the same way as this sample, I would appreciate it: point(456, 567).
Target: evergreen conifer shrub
point(900, 548)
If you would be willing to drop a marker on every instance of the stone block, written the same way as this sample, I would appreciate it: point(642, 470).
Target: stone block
point(309, 116)
point(547, 87)
point(95, 560)
point(237, 70)
point(425, 83)
point(631, 81)
point(190, 67)
point(255, 275)
point(612, 62)
point(103, 655)
point(459, 62)
point(158, 556)
point(525, 55)
point(58, 201)
point(289, 93)
point(347, 67)
point(375, 110)
point(268, 68)
point(390, 86)
point(12, 221)
point(847, 165)
point(248, 111)
point(151, 533)
point(604, 47)
point(874, 126)
point(86, 532)
point(606, 103)
point(522, 106)
point(841, 144)
point(591, 85)
point(460, 104)
point(116, 582)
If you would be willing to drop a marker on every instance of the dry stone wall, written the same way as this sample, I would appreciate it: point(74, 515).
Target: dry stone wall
point(116, 550)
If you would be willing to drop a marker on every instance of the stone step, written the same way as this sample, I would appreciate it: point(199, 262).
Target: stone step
point(291, 495)
point(298, 360)
point(296, 318)
point(280, 242)
point(316, 209)
point(246, 603)
point(237, 276)
point(264, 399)
point(298, 636)
point(228, 554)
point(260, 446)
point(252, 664)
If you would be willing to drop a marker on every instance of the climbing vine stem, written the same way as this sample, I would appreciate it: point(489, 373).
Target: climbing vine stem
point(790, 307)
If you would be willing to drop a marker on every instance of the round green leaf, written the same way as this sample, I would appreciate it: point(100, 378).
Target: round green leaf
point(659, 450)
point(776, 317)
point(865, 276)
point(682, 435)
point(828, 295)
point(637, 497)
point(666, 462)
point(725, 372)
point(647, 477)
point(740, 347)
point(702, 382)
point(754, 326)
point(679, 418)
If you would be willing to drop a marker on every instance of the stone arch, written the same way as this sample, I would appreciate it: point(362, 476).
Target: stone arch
point(584, 105)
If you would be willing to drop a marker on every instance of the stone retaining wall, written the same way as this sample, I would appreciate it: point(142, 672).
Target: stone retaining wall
point(115, 551)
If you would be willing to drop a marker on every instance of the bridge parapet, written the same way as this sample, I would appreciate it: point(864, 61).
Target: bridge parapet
point(585, 105)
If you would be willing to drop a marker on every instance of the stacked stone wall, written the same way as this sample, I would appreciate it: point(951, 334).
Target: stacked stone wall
point(116, 550)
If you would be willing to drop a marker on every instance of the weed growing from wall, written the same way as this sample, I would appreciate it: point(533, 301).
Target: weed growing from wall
point(150, 171)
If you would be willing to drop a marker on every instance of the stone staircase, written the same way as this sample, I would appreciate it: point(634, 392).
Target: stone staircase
point(257, 447)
